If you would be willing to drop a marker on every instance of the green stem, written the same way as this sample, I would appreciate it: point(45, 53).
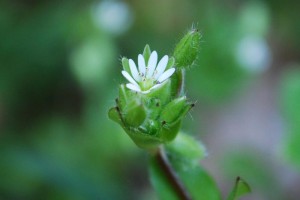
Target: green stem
point(171, 175)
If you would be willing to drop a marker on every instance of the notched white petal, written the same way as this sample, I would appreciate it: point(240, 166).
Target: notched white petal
point(161, 66)
point(142, 65)
point(133, 87)
point(134, 70)
point(166, 75)
point(152, 64)
point(128, 77)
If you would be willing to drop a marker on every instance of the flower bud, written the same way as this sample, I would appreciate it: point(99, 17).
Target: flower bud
point(175, 110)
point(186, 51)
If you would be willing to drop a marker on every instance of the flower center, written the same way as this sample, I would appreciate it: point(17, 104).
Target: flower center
point(147, 83)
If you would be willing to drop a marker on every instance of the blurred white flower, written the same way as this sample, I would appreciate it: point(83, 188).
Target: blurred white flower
point(113, 16)
point(145, 78)
point(253, 53)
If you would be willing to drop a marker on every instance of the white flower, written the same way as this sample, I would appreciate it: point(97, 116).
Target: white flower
point(146, 78)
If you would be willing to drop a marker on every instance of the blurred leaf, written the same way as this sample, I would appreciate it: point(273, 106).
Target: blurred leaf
point(240, 188)
point(290, 96)
point(254, 166)
point(254, 18)
point(186, 149)
point(195, 179)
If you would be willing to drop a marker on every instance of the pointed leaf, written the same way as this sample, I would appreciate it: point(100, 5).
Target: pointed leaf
point(240, 188)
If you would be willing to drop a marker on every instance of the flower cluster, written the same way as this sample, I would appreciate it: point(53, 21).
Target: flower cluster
point(151, 106)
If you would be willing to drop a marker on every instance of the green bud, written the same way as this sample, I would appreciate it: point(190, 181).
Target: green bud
point(175, 110)
point(187, 49)
point(170, 131)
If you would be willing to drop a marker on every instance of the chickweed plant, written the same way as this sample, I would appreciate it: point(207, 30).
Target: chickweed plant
point(150, 108)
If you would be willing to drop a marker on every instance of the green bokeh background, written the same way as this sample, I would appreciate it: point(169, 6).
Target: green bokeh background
point(59, 72)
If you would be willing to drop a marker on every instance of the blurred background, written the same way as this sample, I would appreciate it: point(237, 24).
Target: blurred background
point(59, 72)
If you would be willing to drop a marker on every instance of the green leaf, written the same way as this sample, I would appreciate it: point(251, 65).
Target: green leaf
point(240, 188)
point(198, 183)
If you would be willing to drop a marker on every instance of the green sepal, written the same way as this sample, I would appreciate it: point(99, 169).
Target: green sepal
point(134, 114)
point(125, 64)
point(240, 188)
point(154, 105)
point(123, 96)
point(175, 110)
point(150, 127)
point(163, 93)
point(186, 51)
point(144, 141)
point(177, 83)
point(170, 131)
point(147, 53)
point(171, 63)
point(114, 115)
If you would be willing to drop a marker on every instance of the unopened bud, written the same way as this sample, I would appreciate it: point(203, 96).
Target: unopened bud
point(186, 51)
point(175, 110)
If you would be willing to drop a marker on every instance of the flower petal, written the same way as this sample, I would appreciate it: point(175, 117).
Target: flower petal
point(152, 64)
point(166, 75)
point(161, 67)
point(134, 70)
point(129, 78)
point(142, 65)
point(133, 87)
point(145, 92)
point(155, 86)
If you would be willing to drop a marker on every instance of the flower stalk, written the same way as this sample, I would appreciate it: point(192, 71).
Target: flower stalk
point(164, 164)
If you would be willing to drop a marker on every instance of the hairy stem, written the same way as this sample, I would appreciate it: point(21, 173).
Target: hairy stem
point(172, 177)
